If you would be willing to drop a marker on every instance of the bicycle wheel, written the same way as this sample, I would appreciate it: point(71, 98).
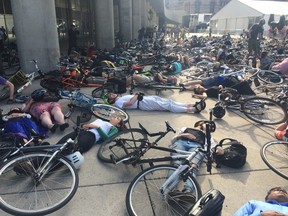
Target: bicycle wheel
point(269, 77)
point(264, 110)
point(101, 91)
point(144, 196)
point(274, 155)
point(24, 192)
point(4, 93)
point(121, 144)
point(105, 111)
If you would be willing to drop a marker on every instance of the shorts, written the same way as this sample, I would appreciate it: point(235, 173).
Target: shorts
point(38, 108)
point(145, 79)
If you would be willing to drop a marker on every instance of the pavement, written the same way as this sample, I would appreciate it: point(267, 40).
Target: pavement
point(102, 187)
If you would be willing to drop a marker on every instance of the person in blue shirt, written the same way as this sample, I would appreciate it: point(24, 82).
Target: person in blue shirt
point(276, 204)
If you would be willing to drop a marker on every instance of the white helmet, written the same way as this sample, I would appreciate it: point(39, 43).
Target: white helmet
point(76, 159)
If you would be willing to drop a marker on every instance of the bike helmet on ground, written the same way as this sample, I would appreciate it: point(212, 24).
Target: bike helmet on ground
point(218, 111)
point(76, 159)
point(38, 94)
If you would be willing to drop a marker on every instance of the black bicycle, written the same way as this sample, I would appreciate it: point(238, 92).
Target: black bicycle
point(38, 180)
point(258, 109)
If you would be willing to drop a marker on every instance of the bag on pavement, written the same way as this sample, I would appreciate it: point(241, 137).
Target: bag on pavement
point(210, 204)
point(234, 156)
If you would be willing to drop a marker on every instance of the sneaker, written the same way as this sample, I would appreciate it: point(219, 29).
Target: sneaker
point(24, 168)
point(10, 101)
point(53, 129)
point(64, 126)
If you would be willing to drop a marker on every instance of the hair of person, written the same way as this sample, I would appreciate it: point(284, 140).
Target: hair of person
point(122, 126)
point(272, 189)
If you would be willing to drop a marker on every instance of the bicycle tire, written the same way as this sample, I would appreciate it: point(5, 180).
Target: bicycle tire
point(143, 196)
point(121, 144)
point(4, 93)
point(105, 111)
point(100, 92)
point(269, 77)
point(264, 110)
point(274, 155)
point(22, 194)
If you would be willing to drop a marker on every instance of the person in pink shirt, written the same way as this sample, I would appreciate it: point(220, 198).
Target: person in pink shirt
point(282, 66)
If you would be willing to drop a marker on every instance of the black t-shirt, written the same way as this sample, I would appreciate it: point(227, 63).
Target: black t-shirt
point(212, 92)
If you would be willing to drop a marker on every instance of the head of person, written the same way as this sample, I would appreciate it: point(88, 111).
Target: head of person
point(198, 89)
point(262, 22)
point(111, 98)
point(278, 194)
point(118, 122)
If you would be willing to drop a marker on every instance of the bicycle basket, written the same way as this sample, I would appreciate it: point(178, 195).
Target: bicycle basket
point(18, 79)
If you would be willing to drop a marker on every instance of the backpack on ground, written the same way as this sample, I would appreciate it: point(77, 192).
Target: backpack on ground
point(210, 204)
point(234, 156)
point(43, 95)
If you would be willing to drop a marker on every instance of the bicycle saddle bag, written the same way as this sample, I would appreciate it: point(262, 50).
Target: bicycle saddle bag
point(210, 204)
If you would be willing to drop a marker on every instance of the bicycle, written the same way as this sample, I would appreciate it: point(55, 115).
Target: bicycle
point(156, 189)
point(258, 109)
point(88, 106)
point(20, 80)
point(274, 155)
point(38, 180)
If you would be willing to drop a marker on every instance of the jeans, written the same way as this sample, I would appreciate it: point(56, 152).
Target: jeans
point(188, 145)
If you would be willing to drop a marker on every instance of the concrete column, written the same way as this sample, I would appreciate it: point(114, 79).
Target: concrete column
point(126, 19)
point(36, 33)
point(104, 24)
point(144, 13)
point(136, 17)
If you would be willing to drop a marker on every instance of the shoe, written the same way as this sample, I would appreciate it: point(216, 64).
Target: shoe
point(256, 82)
point(10, 101)
point(64, 126)
point(199, 106)
point(24, 168)
point(182, 87)
point(53, 129)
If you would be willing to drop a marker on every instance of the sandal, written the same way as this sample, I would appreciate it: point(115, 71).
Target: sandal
point(199, 106)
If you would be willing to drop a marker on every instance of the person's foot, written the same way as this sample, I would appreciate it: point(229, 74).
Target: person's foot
point(24, 168)
point(64, 126)
point(199, 106)
point(53, 129)
point(10, 101)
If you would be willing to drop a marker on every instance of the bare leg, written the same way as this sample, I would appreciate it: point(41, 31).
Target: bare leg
point(11, 89)
point(56, 112)
point(46, 121)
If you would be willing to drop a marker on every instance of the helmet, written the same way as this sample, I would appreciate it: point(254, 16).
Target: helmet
point(218, 111)
point(76, 159)
point(38, 94)
point(107, 100)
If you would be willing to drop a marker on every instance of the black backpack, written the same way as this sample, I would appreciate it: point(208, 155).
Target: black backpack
point(235, 154)
point(210, 204)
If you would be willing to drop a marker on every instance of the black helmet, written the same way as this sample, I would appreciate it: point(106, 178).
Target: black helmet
point(38, 94)
point(218, 111)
